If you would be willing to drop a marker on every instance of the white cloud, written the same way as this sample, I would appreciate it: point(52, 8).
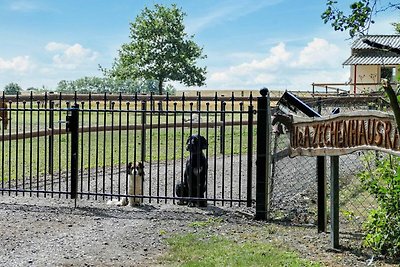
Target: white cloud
point(18, 64)
point(285, 68)
point(256, 71)
point(70, 56)
point(53, 46)
point(318, 52)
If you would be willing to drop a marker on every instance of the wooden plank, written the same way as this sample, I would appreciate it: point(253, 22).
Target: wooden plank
point(344, 133)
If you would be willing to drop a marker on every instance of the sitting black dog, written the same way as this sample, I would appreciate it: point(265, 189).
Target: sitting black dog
point(194, 183)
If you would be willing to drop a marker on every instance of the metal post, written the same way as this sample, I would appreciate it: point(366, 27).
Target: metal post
point(321, 185)
point(335, 197)
point(51, 138)
point(263, 162)
point(250, 157)
point(335, 201)
point(321, 196)
point(143, 141)
point(222, 128)
point(73, 125)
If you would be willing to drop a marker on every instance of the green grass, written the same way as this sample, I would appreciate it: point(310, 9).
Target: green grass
point(200, 249)
point(36, 118)
point(355, 201)
point(30, 157)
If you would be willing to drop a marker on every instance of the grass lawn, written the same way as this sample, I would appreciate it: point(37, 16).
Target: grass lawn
point(202, 250)
point(30, 157)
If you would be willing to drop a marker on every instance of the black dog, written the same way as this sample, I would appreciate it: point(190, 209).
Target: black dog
point(194, 183)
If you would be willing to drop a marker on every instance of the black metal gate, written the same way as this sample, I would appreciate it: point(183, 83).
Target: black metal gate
point(78, 146)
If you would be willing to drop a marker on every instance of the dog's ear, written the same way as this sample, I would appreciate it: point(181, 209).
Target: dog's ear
point(189, 140)
point(140, 166)
point(203, 142)
point(189, 143)
point(129, 168)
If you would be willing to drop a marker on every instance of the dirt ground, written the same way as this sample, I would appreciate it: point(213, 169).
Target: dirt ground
point(53, 232)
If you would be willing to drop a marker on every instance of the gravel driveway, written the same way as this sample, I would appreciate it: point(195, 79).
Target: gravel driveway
point(52, 232)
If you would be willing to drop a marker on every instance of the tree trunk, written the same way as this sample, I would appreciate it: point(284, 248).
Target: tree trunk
point(160, 86)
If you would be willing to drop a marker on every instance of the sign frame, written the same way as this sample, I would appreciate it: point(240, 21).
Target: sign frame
point(343, 133)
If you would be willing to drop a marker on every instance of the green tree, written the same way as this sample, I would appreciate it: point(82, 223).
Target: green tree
point(360, 16)
point(108, 84)
point(12, 89)
point(357, 22)
point(160, 50)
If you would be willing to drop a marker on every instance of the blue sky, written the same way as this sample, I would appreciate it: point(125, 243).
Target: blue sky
point(250, 44)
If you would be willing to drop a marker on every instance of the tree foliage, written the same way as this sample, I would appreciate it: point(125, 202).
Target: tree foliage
point(109, 85)
point(358, 22)
point(12, 89)
point(160, 50)
point(381, 179)
point(360, 16)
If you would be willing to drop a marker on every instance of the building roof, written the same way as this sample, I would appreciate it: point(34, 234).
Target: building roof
point(363, 54)
point(372, 60)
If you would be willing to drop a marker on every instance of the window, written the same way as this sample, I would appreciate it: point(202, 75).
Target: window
point(388, 73)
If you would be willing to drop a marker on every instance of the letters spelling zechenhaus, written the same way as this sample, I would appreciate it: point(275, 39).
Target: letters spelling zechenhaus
point(346, 133)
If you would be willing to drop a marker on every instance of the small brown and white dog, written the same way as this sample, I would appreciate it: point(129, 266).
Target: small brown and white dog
point(3, 114)
point(135, 182)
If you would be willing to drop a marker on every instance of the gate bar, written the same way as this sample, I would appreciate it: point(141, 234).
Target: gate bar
point(73, 126)
point(250, 156)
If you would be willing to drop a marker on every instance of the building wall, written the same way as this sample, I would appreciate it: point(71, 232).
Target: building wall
point(366, 74)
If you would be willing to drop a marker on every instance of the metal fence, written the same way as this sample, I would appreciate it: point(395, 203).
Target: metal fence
point(112, 130)
point(294, 180)
point(38, 147)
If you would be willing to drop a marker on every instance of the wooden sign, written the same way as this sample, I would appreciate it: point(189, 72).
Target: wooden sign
point(341, 134)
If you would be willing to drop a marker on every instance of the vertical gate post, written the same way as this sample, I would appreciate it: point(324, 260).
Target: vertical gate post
point(263, 162)
point(321, 185)
point(335, 201)
point(335, 197)
point(222, 128)
point(250, 156)
point(143, 138)
point(73, 125)
point(321, 195)
point(51, 138)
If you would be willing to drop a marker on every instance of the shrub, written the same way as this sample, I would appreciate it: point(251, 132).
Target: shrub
point(382, 180)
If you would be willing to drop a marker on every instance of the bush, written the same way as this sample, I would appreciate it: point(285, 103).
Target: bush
point(382, 180)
